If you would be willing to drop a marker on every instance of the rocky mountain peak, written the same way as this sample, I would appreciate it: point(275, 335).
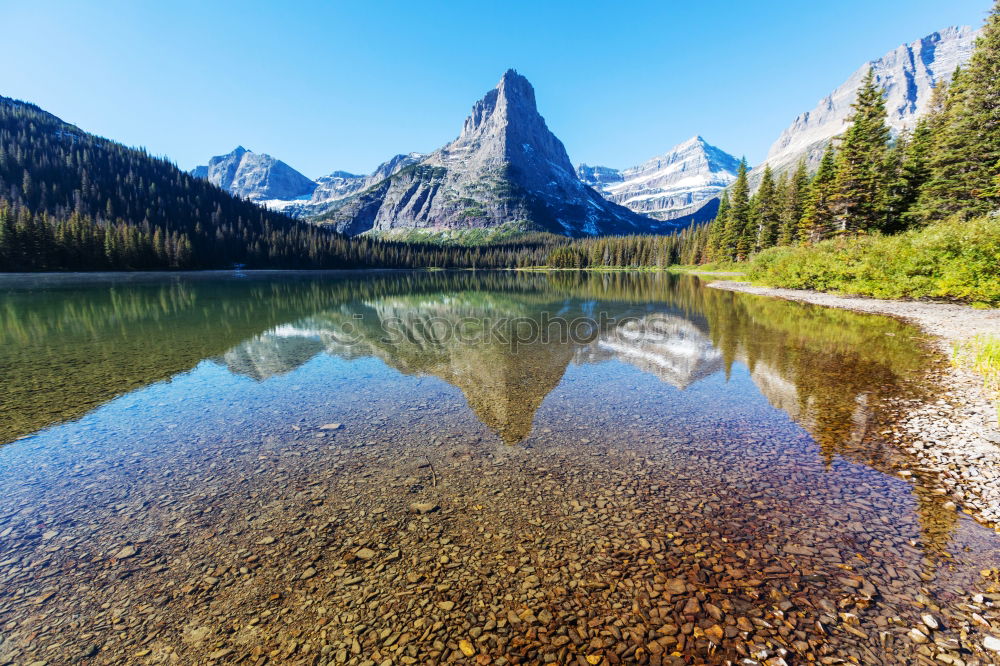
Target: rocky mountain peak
point(907, 76)
point(506, 167)
point(682, 183)
point(256, 176)
point(516, 91)
point(513, 95)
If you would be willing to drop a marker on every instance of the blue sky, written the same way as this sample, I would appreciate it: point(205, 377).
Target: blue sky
point(345, 85)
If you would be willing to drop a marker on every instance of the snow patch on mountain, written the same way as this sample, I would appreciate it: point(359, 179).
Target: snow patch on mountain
point(907, 74)
point(675, 184)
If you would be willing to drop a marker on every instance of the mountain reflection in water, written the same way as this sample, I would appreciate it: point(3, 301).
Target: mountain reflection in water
point(164, 450)
point(504, 378)
point(66, 349)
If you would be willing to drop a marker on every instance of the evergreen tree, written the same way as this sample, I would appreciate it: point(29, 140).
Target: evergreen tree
point(739, 237)
point(912, 154)
point(891, 192)
point(793, 201)
point(859, 183)
point(717, 230)
point(817, 220)
point(965, 158)
point(766, 212)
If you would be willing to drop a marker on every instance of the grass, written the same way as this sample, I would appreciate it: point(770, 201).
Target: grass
point(982, 355)
point(952, 260)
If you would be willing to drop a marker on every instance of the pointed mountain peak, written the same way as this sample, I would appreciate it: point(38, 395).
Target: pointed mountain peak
point(505, 167)
point(512, 97)
point(515, 89)
point(239, 150)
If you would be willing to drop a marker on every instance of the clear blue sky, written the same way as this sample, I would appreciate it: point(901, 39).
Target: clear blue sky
point(345, 85)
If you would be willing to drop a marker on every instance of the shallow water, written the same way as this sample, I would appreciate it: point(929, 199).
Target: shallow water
point(671, 474)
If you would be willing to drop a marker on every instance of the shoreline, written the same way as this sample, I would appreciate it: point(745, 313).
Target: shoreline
point(955, 434)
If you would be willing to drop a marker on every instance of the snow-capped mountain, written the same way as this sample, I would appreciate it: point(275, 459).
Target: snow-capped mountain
point(677, 184)
point(255, 176)
point(506, 167)
point(908, 75)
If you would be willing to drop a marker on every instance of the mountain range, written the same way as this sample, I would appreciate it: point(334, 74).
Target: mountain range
point(507, 169)
point(907, 74)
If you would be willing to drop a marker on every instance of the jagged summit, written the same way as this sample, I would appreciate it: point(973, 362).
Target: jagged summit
point(255, 176)
point(682, 183)
point(513, 94)
point(907, 74)
point(505, 168)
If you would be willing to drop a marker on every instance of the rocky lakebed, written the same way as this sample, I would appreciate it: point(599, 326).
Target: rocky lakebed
point(706, 477)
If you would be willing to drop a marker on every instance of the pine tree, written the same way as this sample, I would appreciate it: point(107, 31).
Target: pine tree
point(965, 159)
point(817, 220)
point(765, 212)
point(891, 193)
point(913, 156)
point(858, 191)
point(793, 203)
point(738, 236)
point(717, 231)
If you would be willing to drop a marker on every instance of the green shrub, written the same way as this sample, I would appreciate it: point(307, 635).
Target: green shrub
point(951, 260)
point(982, 355)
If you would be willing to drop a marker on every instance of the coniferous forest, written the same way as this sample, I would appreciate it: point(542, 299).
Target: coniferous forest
point(72, 201)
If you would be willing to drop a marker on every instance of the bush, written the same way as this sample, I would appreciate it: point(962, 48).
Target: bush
point(982, 354)
point(952, 260)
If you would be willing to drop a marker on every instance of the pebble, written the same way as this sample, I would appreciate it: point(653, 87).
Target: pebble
point(423, 507)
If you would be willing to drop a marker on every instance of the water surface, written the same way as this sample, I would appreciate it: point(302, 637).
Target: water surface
point(622, 467)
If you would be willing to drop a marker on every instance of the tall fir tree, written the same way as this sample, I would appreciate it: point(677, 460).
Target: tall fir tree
point(965, 159)
point(817, 219)
point(739, 233)
point(909, 165)
point(859, 184)
point(793, 202)
point(766, 212)
point(717, 230)
point(890, 194)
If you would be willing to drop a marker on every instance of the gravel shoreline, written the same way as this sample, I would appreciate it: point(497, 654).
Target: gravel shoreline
point(955, 435)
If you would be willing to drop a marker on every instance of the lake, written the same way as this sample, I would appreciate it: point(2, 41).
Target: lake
point(484, 468)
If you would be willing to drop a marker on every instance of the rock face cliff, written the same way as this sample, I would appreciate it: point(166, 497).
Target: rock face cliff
point(255, 176)
point(672, 186)
point(506, 169)
point(340, 185)
point(908, 75)
point(272, 183)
